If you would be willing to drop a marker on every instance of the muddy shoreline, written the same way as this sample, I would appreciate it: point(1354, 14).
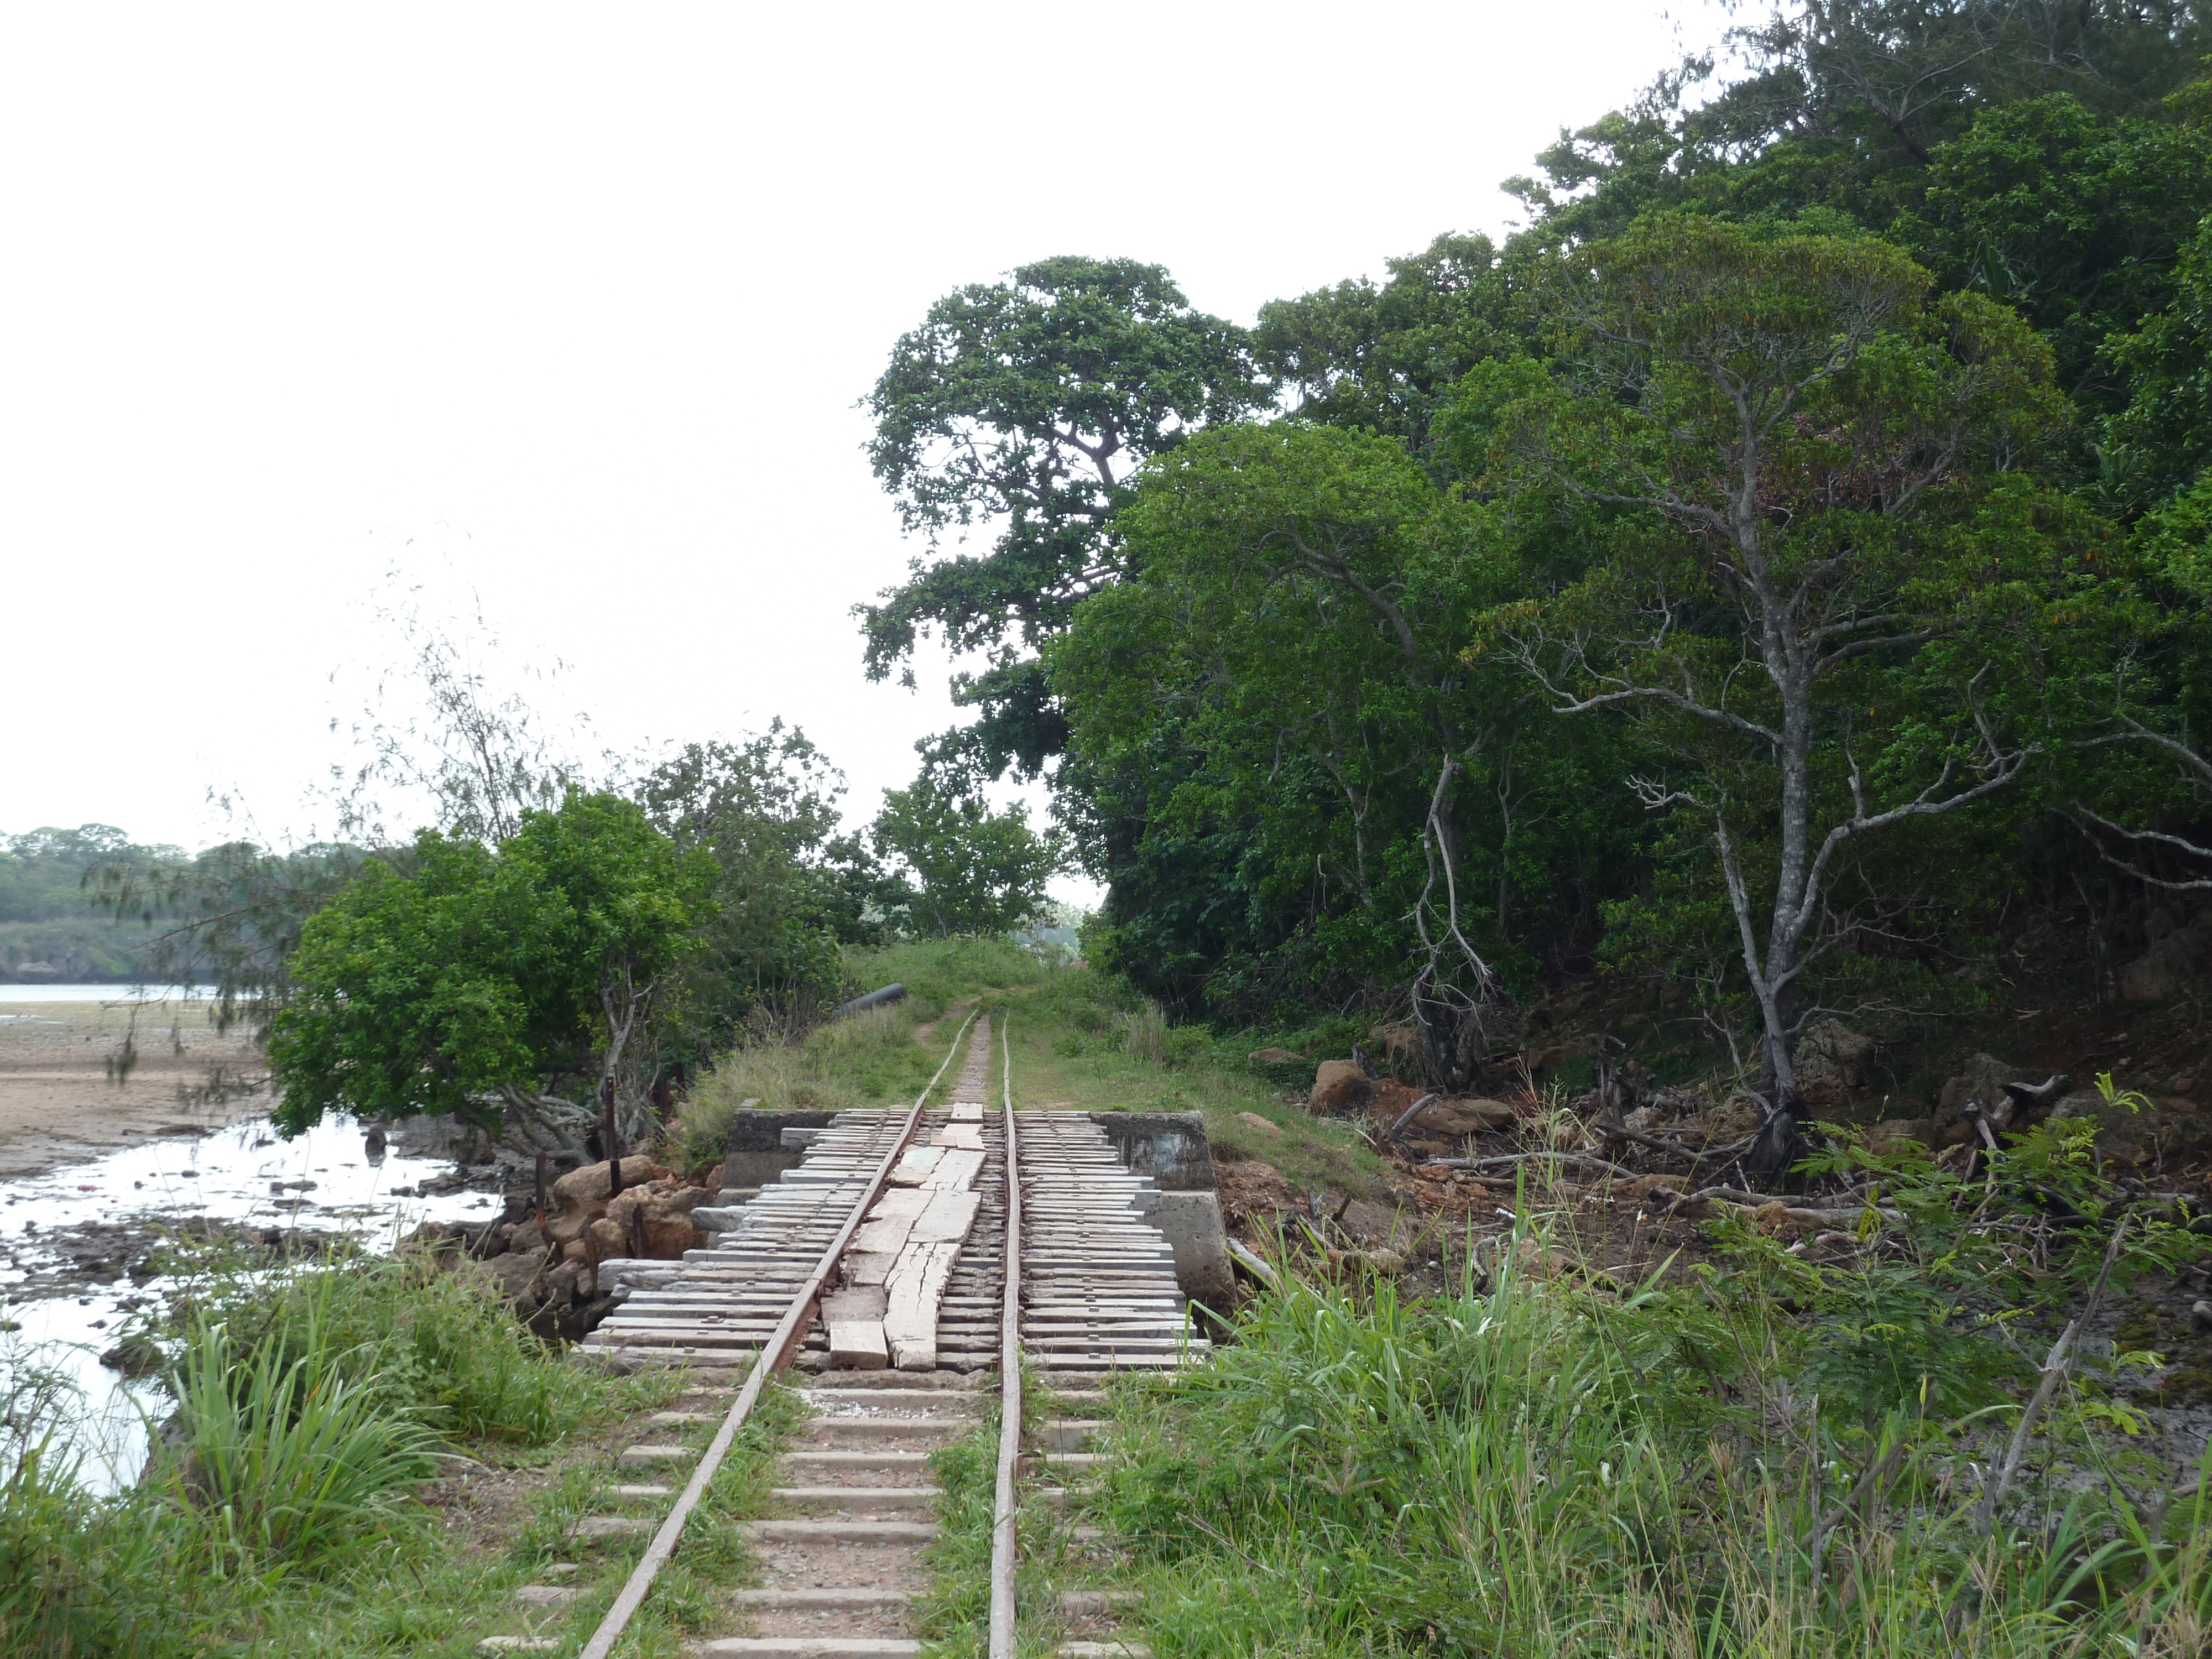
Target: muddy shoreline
point(59, 1106)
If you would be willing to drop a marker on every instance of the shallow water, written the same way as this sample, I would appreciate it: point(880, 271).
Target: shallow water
point(65, 1287)
point(105, 992)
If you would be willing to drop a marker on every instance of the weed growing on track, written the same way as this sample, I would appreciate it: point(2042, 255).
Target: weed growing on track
point(954, 1617)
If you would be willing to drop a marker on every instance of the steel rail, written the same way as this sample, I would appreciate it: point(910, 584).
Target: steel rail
point(773, 1353)
point(1010, 1383)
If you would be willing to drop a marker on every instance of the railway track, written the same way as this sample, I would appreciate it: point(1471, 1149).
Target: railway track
point(909, 1257)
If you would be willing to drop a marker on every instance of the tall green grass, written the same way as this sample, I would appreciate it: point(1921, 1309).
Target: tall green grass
point(1086, 1038)
point(1545, 1469)
point(460, 1362)
point(311, 1407)
point(294, 1450)
point(939, 972)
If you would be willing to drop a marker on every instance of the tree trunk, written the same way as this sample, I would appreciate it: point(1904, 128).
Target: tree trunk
point(1779, 1144)
point(1462, 1014)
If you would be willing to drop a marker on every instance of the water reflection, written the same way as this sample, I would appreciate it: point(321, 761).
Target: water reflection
point(86, 1222)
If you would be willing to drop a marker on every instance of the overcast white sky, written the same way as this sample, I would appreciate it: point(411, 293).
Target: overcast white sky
point(572, 306)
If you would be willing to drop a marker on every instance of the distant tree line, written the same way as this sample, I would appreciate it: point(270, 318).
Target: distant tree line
point(551, 943)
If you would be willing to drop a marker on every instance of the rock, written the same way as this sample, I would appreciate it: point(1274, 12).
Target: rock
point(1253, 1121)
point(668, 1237)
point(1338, 1086)
point(514, 1274)
point(139, 1355)
point(1363, 1218)
point(659, 1214)
point(2122, 1135)
point(1983, 1082)
point(1454, 1118)
point(2177, 951)
point(2147, 980)
point(1274, 1057)
point(1401, 1042)
point(1551, 1058)
point(1833, 1062)
point(582, 1197)
point(2200, 1315)
point(589, 1184)
point(562, 1283)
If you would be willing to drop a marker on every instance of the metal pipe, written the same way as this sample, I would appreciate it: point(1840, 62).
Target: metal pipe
point(891, 992)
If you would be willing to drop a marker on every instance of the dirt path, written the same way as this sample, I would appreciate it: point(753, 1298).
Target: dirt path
point(926, 1035)
point(57, 1104)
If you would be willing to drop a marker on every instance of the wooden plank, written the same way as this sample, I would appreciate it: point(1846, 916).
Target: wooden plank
point(885, 1231)
point(956, 1168)
point(917, 1282)
point(916, 1285)
point(854, 1321)
point(872, 1269)
point(914, 1169)
point(949, 1217)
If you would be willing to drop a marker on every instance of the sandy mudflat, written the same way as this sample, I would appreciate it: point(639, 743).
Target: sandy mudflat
point(56, 1105)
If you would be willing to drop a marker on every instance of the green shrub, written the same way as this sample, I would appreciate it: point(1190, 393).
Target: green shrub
point(445, 1353)
point(291, 1456)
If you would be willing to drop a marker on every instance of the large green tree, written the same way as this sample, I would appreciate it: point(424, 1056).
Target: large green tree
point(789, 888)
point(478, 979)
point(1829, 595)
point(1385, 358)
point(964, 868)
point(1292, 631)
point(1018, 410)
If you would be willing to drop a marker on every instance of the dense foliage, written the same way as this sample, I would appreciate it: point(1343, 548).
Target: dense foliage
point(1774, 561)
point(484, 975)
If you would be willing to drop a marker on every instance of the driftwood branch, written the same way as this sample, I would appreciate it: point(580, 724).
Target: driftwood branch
point(1410, 1113)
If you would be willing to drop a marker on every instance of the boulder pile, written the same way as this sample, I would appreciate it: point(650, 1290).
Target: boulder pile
point(558, 1276)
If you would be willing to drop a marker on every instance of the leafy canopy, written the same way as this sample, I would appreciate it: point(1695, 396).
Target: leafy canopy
point(1025, 405)
point(481, 973)
point(788, 890)
point(966, 868)
point(1824, 592)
